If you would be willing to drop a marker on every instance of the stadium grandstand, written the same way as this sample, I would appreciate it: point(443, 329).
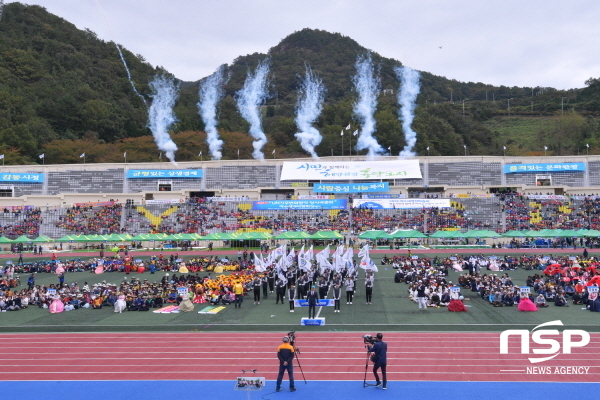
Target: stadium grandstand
point(500, 194)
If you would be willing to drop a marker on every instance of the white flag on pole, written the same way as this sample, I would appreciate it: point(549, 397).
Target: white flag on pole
point(364, 252)
point(309, 255)
point(259, 264)
point(42, 155)
point(348, 127)
point(1, 156)
point(82, 155)
point(323, 262)
point(325, 252)
point(355, 133)
point(342, 134)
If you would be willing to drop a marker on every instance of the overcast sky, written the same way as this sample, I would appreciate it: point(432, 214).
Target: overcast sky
point(510, 42)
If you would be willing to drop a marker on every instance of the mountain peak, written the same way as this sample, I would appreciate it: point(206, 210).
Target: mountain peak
point(314, 40)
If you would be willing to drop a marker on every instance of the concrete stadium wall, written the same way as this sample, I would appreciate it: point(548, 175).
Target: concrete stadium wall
point(582, 185)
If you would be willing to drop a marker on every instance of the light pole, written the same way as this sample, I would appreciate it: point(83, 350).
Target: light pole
point(509, 106)
point(465, 146)
point(562, 104)
point(464, 107)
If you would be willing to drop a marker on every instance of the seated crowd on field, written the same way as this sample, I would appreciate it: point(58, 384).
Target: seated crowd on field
point(557, 280)
point(140, 294)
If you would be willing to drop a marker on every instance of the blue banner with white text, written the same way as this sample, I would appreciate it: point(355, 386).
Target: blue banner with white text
point(21, 177)
point(557, 167)
point(163, 173)
point(336, 204)
point(321, 303)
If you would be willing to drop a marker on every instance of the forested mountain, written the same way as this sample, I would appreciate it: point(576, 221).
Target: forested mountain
point(64, 91)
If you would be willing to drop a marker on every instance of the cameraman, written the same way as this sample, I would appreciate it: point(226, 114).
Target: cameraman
point(378, 353)
point(285, 354)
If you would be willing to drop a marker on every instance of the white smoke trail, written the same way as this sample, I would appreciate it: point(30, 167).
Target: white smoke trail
point(407, 98)
point(249, 99)
point(129, 76)
point(160, 114)
point(308, 108)
point(101, 11)
point(367, 85)
point(211, 91)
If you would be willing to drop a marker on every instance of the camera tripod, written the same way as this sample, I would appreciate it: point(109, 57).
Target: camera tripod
point(365, 384)
point(297, 352)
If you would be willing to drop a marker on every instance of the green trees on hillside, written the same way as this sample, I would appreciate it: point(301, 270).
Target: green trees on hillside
point(63, 89)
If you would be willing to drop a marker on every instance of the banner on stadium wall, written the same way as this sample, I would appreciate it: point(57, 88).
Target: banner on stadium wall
point(384, 196)
point(163, 173)
point(95, 204)
point(313, 197)
point(471, 195)
point(336, 170)
point(21, 177)
point(18, 208)
point(299, 184)
point(163, 201)
point(351, 187)
point(558, 167)
point(401, 203)
point(224, 199)
point(547, 197)
point(337, 204)
point(591, 197)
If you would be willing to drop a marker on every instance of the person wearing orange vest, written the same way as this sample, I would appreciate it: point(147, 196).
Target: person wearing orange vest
point(285, 354)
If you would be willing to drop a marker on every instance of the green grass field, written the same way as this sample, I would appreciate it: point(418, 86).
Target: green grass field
point(391, 310)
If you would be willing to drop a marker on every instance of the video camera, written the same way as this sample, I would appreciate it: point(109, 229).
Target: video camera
point(369, 339)
point(292, 337)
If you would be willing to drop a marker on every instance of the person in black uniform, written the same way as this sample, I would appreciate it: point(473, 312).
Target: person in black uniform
point(323, 286)
point(265, 286)
point(302, 281)
point(256, 284)
point(292, 296)
point(285, 354)
point(279, 290)
point(313, 300)
point(379, 356)
point(369, 288)
point(271, 279)
point(337, 291)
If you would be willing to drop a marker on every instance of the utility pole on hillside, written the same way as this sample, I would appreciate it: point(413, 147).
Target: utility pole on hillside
point(1, 8)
